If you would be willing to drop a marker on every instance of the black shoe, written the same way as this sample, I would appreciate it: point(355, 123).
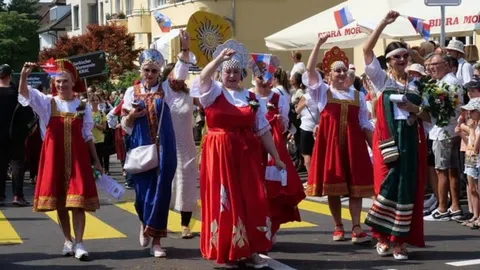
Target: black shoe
point(464, 217)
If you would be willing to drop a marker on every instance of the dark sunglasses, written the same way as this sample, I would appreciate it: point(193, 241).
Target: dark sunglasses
point(153, 71)
point(398, 57)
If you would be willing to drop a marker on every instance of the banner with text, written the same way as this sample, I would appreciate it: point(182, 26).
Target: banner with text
point(90, 65)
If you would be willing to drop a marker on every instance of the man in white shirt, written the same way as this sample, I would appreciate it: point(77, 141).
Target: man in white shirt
point(298, 65)
point(446, 146)
point(455, 49)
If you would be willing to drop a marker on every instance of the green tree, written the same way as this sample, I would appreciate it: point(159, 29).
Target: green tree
point(2, 5)
point(18, 39)
point(29, 7)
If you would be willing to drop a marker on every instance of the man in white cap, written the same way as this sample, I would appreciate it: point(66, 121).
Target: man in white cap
point(465, 70)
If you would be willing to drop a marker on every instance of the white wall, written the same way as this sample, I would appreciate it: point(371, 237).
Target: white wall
point(83, 15)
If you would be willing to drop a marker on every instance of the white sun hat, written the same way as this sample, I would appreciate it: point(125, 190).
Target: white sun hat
point(456, 45)
point(417, 68)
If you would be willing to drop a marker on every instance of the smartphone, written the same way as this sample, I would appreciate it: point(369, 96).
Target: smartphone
point(136, 106)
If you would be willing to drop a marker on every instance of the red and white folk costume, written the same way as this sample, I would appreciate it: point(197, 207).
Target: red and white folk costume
point(282, 200)
point(340, 162)
point(232, 175)
point(65, 176)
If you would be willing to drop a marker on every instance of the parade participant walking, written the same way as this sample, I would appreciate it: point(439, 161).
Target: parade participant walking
point(65, 178)
point(400, 151)
point(149, 118)
point(282, 199)
point(181, 105)
point(235, 218)
point(340, 163)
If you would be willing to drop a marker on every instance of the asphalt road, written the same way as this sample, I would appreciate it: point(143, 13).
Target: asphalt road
point(31, 240)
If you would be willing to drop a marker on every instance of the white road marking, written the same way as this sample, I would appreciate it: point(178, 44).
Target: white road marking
point(464, 263)
point(276, 265)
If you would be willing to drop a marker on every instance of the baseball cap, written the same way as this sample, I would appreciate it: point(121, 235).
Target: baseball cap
point(473, 104)
point(5, 70)
point(475, 84)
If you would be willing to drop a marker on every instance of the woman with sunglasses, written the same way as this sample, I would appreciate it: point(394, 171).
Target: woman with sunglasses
point(340, 164)
point(283, 198)
point(400, 151)
point(142, 105)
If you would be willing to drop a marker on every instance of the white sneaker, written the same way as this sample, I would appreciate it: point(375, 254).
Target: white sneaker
point(144, 239)
point(157, 251)
point(437, 216)
point(80, 252)
point(67, 249)
point(400, 256)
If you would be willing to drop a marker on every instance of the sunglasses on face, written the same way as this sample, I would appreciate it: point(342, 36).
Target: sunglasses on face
point(398, 57)
point(153, 71)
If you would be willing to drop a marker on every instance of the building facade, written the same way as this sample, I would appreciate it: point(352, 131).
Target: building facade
point(85, 12)
point(54, 22)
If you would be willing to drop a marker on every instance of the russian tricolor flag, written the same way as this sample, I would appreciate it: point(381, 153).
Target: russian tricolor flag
point(266, 59)
point(343, 17)
point(163, 21)
point(50, 67)
point(421, 27)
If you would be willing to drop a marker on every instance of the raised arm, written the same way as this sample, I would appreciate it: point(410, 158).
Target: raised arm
point(312, 60)
point(206, 76)
point(23, 85)
point(373, 38)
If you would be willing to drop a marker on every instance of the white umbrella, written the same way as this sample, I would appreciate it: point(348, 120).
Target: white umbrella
point(460, 20)
point(304, 35)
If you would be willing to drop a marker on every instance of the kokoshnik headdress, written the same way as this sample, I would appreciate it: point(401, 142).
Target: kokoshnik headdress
point(151, 56)
point(334, 59)
point(65, 66)
point(239, 59)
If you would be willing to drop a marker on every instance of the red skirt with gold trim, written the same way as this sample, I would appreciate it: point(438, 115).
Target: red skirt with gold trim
point(341, 164)
point(65, 176)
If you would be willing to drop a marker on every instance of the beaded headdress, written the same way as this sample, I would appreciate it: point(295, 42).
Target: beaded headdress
point(239, 59)
point(151, 56)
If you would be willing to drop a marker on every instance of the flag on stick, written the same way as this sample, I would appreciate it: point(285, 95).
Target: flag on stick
point(420, 26)
point(266, 60)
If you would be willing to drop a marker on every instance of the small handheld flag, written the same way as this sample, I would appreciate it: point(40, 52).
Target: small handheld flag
point(265, 60)
point(163, 21)
point(420, 26)
point(343, 17)
point(50, 67)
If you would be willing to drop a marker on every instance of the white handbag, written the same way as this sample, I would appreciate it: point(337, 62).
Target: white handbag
point(145, 157)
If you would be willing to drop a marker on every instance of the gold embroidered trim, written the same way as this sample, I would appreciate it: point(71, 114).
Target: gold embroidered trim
point(150, 104)
point(67, 133)
point(361, 191)
point(49, 203)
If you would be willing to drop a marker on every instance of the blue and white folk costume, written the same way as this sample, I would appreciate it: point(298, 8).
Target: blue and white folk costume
point(153, 188)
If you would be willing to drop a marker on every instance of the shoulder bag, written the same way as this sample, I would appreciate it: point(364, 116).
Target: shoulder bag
point(146, 157)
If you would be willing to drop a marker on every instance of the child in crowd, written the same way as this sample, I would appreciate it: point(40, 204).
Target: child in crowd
point(470, 134)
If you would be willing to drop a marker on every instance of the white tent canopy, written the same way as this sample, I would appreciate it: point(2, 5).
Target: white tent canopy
point(460, 20)
point(304, 35)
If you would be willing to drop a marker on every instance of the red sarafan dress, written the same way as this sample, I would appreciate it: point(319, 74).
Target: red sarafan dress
point(282, 200)
point(235, 216)
point(340, 161)
point(65, 176)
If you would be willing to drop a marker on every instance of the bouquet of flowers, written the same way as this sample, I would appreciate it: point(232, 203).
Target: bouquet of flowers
point(443, 100)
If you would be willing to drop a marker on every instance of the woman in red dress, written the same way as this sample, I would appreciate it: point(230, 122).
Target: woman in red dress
point(283, 198)
point(341, 164)
point(65, 177)
point(235, 218)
